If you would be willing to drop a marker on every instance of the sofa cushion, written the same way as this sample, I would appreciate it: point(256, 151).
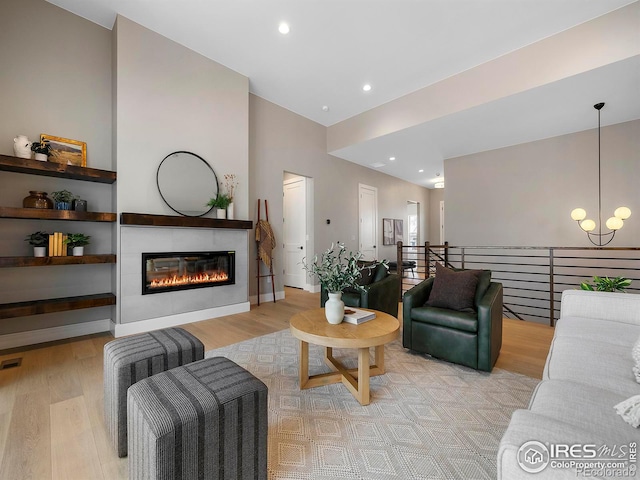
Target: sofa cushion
point(380, 273)
point(446, 318)
point(484, 280)
point(580, 405)
point(453, 290)
point(594, 363)
point(604, 331)
point(366, 275)
point(351, 299)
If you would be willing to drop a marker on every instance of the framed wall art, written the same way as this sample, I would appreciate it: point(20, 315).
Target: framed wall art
point(387, 231)
point(66, 151)
point(397, 231)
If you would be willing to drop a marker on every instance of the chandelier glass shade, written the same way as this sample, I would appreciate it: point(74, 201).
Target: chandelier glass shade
point(614, 223)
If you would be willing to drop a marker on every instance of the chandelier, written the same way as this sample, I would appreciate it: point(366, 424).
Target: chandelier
point(614, 223)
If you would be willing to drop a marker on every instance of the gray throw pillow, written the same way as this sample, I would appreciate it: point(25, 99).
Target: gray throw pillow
point(453, 290)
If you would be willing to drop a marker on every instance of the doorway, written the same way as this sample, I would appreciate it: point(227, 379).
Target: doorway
point(413, 223)
point(294, 228)
point(368, 213)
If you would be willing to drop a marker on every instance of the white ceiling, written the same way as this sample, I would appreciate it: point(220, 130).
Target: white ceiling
point(398, 46)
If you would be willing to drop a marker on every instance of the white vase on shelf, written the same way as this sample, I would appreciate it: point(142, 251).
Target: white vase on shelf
point(221, 213)
point(78, 251)
point(230, 212)
point(43, 157)
point(22, 146)
point(334, 308)
point(39, 251)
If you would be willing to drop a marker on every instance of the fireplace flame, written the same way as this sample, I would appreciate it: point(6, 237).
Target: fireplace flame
point(176, 280)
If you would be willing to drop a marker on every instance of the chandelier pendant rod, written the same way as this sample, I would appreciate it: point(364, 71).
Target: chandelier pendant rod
point(599, 180)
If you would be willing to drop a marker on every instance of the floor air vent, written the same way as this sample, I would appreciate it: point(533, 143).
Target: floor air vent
point(10, 363)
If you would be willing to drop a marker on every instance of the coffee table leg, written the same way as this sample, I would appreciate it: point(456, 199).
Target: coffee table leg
point(304, 363)
point(379, 358)
point(363, 375)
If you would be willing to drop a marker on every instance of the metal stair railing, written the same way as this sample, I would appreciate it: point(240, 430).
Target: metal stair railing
point(533, 277)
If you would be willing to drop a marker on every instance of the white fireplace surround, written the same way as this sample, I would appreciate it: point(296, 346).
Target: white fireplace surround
point(140, 313)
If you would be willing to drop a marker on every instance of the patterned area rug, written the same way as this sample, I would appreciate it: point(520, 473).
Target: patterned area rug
point(428, 419)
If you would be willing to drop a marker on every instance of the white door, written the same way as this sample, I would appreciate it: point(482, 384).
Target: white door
point(368, 211)
point(295, 231)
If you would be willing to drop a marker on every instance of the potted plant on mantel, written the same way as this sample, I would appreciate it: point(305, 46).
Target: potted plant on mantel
point(42, 150)
point(63, 199)
point(39, 242)
point(220, 203)
point(77, 242)
point(335, 271)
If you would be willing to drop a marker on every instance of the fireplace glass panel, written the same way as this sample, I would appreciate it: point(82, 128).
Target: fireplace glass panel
point(166, 272)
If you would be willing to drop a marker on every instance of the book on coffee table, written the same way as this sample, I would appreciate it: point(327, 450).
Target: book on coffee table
point(357, 316)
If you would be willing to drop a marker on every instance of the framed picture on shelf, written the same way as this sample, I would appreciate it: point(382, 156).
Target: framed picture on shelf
point(387, 231)
point(66, 151)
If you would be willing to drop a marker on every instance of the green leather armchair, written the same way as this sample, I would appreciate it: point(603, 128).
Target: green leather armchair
point(381, 294)
point(472, 339)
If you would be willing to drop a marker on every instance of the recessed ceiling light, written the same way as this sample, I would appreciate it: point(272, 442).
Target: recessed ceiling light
point(366, 87)
point(420, 171)
point(392, 158)
point(438, 185)
point(283, 28)
point(325, 108)
point(378, 165)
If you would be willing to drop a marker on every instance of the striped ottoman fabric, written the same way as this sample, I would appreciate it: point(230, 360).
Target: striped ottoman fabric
point(130, 359)
point(205, 420)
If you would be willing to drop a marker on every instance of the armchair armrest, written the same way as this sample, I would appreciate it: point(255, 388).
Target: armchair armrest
point(490, 327)
point(382, 295)
point(416, 297)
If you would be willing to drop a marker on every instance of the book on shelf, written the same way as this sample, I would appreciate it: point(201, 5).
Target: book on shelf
point(357, 316)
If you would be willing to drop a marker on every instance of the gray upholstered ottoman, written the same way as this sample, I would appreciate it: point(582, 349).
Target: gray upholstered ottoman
point(130, 359)
point(204, 420)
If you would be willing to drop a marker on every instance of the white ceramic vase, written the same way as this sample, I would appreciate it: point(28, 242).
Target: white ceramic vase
point(78, 251)
point(334, 308)
point(39, 251)
point(22, 146)
point(230, 211)
point(41, 156)
point(221, 213)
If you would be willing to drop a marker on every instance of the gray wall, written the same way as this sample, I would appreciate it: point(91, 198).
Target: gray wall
point(523, 195)
point(56, 79)
point(436, 195)
point(281, 141)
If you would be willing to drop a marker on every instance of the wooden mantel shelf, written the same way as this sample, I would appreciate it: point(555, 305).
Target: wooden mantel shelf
point(51, 169)
point(175, 221)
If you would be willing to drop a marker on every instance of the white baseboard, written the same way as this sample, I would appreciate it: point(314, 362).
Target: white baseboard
point(266, 297)
point(32, 337)
point(122, 329)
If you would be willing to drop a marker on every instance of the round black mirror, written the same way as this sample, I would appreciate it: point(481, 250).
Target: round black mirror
point(186, 183)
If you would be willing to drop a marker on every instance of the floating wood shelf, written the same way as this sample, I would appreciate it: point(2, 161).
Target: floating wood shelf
point(48, 214)
point(174, 221)
point(7, 262)
point(52, 169)
point(38, 307)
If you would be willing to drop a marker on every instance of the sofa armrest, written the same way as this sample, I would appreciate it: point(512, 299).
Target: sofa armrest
point(490, 327)
point(382, 295)
point(618, 307)
point(415, 297)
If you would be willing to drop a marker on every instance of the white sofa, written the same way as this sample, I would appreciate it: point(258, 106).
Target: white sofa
point(588, 372)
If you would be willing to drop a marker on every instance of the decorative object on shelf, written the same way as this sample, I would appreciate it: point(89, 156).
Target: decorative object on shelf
point(79, 205)
point(39, 241)
point(66, 151)
point(57, 244)
point(184, 181)
point(606, 284)
point(220, 203)
point(77, 242)
point(42, 150)
point(22, 146)
point(614, 223)
point(37, 200)
point(63, 199)
point(335, 271)
point(230, 184)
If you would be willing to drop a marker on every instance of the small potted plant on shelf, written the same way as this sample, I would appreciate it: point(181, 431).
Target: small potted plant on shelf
point(42, 150)
point(77, 242)
point(39, 242)
point(336, 270)
point(220, 203)
point(63, 199)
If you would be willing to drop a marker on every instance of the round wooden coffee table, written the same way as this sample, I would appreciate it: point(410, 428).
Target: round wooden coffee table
point(311, 326)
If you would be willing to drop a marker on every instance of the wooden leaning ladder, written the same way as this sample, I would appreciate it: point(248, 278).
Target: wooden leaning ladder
point(270, 274)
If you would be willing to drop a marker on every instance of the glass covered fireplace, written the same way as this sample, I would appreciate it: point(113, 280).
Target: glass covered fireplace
point(168, 272)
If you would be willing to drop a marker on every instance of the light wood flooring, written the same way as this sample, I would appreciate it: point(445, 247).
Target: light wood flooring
point(51, 424)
